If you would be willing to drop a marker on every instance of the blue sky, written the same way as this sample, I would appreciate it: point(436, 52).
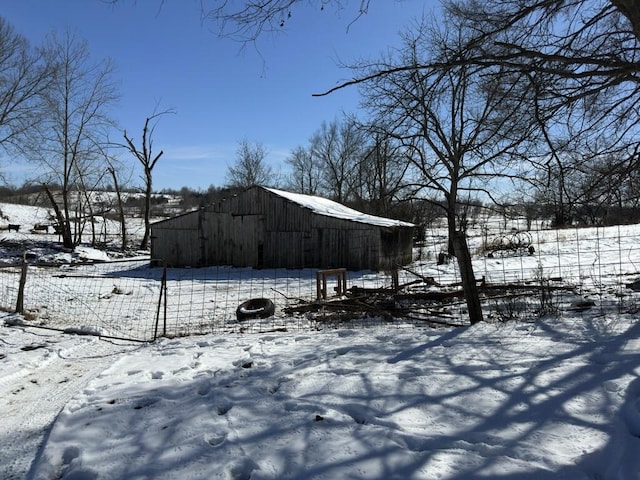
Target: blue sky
point(166, 56)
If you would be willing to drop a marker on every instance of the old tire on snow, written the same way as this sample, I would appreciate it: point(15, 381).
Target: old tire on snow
point(255, 308)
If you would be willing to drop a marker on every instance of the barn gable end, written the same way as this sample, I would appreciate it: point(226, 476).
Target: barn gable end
point(267, 228)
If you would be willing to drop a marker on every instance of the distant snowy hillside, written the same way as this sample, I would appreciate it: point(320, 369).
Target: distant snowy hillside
point(24, 215)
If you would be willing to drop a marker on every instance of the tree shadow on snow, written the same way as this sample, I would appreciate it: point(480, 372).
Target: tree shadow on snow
point(277, 417)
point(539, 409)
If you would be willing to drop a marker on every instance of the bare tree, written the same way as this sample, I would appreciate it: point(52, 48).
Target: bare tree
point(250, 167)
point(382, 176)
point(74, 127)
point(593, 43)
point(582, 57)
point(120, 206)
point(586, 188)
point(24, 76)
point(305, 175)
point(337, 148)
point(246, 21)
point(459, 127)
point(342, 163)
point(582, 60)
point(148, 159)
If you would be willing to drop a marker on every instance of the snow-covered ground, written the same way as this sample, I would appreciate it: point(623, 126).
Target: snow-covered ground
point(556, 397)
point(543, 400)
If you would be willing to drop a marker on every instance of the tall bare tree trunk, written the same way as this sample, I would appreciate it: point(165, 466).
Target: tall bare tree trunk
point(148, 162)
point(460, 249)
point(87, 198)
point(147, 211)
point(63, 225)
point(469, 285)
point(123, 224)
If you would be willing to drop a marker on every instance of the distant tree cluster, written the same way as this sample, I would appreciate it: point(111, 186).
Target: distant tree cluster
point(349, 162)
point(251, 167)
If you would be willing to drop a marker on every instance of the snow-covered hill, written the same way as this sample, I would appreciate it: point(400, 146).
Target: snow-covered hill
point(45, 244)
point(25, 216)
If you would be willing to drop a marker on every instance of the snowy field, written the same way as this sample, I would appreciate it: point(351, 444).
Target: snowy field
point(556, 397)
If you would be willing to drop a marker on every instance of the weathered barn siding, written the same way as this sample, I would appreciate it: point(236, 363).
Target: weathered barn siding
point(177, 241)
point(230, 239)
point(260, 229)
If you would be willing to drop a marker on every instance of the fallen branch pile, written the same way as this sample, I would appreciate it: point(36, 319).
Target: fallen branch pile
point(422, 299)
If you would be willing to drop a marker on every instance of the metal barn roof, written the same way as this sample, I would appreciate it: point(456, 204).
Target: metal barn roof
point(324, 206)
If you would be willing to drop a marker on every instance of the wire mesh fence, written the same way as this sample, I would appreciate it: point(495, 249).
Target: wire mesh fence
point(89, 298)
point(541, 272)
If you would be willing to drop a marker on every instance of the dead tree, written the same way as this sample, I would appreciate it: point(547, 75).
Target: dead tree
point(148, 160)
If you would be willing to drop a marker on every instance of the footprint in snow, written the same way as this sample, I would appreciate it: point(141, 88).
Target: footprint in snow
point(241, 469)
point(223, 406)
point(33, 346)
point(346, 333)
point(203, 389)
point(611, 386)
point(274, 388)
point(70, 454)
point(215, 439)
point(72, 467)
point(145, 402)
point(243, 362)
point(359, 413)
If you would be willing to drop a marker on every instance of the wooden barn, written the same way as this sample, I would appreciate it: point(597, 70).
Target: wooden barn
point(269, 228)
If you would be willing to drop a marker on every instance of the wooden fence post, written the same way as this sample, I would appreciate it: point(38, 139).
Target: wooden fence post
point(21, 285)
point(163, 295)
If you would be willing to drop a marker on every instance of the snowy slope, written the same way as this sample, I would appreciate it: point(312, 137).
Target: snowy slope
point(25, 216)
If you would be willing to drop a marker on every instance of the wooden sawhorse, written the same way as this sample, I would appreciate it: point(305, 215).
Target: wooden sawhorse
point(321, 282)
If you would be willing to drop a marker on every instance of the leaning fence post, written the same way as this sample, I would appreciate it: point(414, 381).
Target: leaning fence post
point(23, 281)
point(163, 294)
